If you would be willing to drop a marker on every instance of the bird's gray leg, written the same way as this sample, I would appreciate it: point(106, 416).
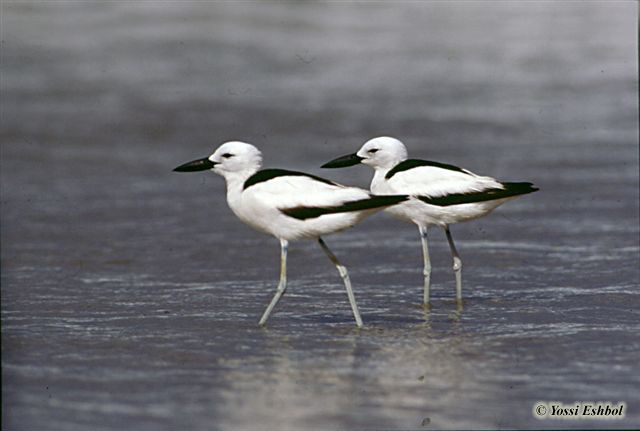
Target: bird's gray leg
point(347, 283)
point(427, 264)
point(282, 285)
point(457, 265)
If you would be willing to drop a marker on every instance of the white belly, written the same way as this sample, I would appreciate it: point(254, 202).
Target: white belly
point(271, 220)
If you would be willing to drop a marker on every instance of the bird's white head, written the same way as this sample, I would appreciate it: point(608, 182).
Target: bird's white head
point(382, 152)
point(236, 156)
point(232, 158)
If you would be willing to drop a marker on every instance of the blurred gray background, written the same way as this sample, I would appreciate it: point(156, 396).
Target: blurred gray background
point(131, 294)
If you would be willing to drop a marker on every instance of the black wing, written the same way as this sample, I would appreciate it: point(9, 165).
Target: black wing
point(268, 174)
point(510, 190)
point(303, 213)
point(414, 163)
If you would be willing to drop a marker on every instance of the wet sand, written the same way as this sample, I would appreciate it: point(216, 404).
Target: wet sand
point(131, 294)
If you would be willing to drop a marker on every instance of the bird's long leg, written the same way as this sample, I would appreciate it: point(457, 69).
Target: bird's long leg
point(457, 265)
point(427, 264)
point(282, 285)
point(347, 283)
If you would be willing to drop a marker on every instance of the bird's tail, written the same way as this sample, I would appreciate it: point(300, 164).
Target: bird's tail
point(515, 189)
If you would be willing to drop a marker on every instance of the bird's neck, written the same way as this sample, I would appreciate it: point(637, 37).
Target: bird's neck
point(235, 180)
point(379, 174)
point(378, 179)
point(385, 167)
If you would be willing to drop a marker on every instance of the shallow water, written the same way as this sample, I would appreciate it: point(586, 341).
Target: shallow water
point(130, 294)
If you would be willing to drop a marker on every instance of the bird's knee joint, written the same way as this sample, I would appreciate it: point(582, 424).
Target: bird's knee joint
point(343, 271)
point(457, 264)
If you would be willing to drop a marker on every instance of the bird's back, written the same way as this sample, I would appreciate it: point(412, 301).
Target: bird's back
point(293, 205)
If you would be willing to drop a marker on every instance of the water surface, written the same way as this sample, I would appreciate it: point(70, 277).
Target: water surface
point(131, 294)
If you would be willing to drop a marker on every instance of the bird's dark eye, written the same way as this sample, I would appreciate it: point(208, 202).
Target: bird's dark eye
point(227, 155)
point(372, 151)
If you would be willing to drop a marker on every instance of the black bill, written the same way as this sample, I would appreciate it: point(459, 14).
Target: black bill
point(344, 161)
point(196, 165)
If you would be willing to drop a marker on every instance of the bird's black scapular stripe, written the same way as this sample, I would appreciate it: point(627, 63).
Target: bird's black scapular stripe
point(414, 163)
point(268, 174)
point(511, 189)
point(303, 213)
